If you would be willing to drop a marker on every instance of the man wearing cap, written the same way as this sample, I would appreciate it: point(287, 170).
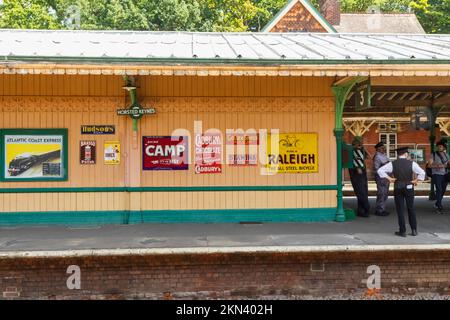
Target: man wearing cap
point(438, 163)
point(379, 160)
point(403, 170)
point(358, 177)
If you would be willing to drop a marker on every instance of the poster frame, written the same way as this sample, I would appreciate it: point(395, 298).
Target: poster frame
point(41, 132)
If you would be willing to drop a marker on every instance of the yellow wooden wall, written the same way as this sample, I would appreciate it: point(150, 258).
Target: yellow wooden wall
point(291, 104)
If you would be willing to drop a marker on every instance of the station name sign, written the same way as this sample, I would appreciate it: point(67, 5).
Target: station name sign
point(135, 111)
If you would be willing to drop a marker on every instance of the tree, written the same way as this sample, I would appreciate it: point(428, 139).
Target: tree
point(27, 14)
point(100, 14)
point(266, 10)
point(434, 15)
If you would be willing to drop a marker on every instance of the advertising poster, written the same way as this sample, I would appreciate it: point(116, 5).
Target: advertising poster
point(208, 153)
point(298, 153)
point(242, 149)
point(87, 152)
point(165, 153)
point(30, 155)
point(112, 152)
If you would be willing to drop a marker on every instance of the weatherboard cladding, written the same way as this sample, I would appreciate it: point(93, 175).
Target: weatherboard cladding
point(168, 47)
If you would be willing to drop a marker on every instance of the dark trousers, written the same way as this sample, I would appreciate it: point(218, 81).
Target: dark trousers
point(382, 193)
point(440, 182)
point(402, 196)
point(361, 189)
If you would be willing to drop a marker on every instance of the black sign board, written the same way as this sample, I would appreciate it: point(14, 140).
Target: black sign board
point(362, 96)
point(100, 129)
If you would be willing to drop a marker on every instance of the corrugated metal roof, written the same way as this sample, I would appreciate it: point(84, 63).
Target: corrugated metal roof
point(189, 47)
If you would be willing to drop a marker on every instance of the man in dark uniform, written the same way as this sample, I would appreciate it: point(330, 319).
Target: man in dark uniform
point(403, 170)
point(358, 177)
point(379, 160)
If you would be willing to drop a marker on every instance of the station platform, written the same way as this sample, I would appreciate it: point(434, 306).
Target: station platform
point(433, 229)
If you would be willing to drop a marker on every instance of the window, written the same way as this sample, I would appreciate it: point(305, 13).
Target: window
point(390, 141)
point(393, 126)
point(387, 127)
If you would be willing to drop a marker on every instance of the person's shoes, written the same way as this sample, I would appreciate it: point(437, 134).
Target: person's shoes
point(414, 232)
point(382, 214)
point(362, 215)
point(438, 209)
point(400, 234)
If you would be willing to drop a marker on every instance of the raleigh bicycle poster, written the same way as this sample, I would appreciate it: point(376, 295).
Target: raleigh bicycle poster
point(297, 153)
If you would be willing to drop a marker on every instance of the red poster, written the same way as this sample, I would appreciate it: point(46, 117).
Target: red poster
point(87, 152)
point(165, 153)
point(245, 150)
point(208, 153)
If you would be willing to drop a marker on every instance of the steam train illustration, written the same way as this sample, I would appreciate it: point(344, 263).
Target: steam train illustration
point(25, 161)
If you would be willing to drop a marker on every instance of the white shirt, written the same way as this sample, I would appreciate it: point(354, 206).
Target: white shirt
point(387, 168)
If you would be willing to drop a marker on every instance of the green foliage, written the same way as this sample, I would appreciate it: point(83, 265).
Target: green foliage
point(434, 15)
point(27, 14)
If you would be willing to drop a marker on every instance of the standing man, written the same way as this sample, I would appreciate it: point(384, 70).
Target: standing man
point(379, 160)
point(358, 177)
point(438, 163)
point(403, 170)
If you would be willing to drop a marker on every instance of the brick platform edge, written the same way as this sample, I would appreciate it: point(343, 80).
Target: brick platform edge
point(227, 274)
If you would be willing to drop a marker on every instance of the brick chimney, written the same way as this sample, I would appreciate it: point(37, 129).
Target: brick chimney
point(331, 11)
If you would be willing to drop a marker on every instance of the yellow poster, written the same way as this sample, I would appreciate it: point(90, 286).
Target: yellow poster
point(296, 153)
point(112, 152)
point(33, 156)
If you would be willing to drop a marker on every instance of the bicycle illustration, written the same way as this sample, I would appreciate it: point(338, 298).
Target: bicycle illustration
point(289, 142)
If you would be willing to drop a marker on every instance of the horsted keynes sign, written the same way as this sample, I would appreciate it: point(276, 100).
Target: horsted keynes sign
point(135, 111)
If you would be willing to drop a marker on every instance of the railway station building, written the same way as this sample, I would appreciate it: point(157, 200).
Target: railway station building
point(117, 126)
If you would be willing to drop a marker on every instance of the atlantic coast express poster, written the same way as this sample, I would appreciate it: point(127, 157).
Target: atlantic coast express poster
point(36, 154)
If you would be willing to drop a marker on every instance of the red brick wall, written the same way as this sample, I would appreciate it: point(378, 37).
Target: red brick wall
point(331, 11)
point(225, 275)
point(298, 19)
point(405, 137)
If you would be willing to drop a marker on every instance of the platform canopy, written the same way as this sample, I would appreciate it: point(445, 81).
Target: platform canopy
point(319, 54)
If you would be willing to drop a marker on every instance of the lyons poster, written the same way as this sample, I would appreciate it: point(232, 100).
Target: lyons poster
point(208, 153)
point(112, 152)
point(33, 156)
point(297, 153)
point(165, 153)
point(242, 148)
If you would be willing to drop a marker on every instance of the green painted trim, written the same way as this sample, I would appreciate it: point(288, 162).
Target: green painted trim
point(43, 132)
point(277, 16)
point(325, 21)
point(341, 92)
point(215, 62)
point(167, 216)
point(169, 189)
